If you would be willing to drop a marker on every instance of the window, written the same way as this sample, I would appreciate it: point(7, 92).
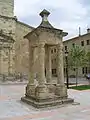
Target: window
point(88, 42)
point(52, 51)
point(65, 47)
point(55, 60)
point(55, 50)
point(64, 70)
point(53, 71)
point(82, 70)
point(13, 58)
point(73, 44)
point(82, 43)
point(52, 61)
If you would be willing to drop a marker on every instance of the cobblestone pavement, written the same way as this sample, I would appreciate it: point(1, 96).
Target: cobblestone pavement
point(11, 108)
point(54, 79)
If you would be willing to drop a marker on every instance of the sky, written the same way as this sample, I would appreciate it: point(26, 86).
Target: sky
point(67, 15)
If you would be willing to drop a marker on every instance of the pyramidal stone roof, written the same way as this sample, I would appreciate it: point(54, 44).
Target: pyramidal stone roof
point(45, 23)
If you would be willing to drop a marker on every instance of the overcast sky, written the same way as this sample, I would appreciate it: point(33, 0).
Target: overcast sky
point(65, 14)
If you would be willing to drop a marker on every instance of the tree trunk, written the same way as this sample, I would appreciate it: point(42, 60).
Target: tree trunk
point(76, 76)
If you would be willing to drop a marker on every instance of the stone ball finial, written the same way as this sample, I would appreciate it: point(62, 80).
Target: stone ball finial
point(44, 14)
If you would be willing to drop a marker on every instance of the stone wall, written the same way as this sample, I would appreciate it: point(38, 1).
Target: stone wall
point(17, 30)
point(7, 28)
point(21, 47)
point(8, 25)
point(7, 8)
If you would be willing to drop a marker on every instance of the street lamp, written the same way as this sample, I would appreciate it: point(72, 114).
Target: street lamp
point(66, 60)
point(1, 57)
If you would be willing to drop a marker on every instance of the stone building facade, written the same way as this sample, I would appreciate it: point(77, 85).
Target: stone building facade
point(84, 42)
point(12, 43)
point(21, 47)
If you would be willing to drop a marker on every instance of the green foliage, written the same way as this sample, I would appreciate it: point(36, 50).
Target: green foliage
point(88, 57)
point(77, 57)
point(88, 60)
point(82, 87)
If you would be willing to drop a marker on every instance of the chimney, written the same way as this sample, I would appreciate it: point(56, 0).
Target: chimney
point(88, 30)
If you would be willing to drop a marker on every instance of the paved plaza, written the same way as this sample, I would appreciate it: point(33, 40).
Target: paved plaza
point(11, 108)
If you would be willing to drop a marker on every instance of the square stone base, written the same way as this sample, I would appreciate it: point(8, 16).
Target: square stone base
point(43, 103)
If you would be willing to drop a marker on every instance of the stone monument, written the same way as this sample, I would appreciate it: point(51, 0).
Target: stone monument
point(45, 93)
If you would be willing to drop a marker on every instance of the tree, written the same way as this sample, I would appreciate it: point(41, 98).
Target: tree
point(76, 59)
point(88, 61)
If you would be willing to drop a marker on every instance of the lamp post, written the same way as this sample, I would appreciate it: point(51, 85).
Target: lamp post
point(1, 58)
point(66, 60)
point(9, 61)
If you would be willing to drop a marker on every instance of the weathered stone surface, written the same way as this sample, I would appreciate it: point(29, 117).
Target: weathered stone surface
point(48, 65)
point(60, 72)
point(30, 90)
point(61, 90)
point(40, 104)
point(13, 61)
point(46, 94)
point(51, 90)
point(46, 102)
point(41, 92)
point(7, 7)
point(22, 48)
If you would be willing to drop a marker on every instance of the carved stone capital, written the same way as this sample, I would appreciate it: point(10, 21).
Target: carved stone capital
point(41, 45)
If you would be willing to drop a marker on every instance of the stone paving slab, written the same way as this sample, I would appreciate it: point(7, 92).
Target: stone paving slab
point(11, 108)
point(81, 81)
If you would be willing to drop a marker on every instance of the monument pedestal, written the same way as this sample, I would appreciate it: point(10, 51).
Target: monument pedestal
point(41, 92)
point(51, 90)
point(61, 91)
point(43, 96)
point(30, 90)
